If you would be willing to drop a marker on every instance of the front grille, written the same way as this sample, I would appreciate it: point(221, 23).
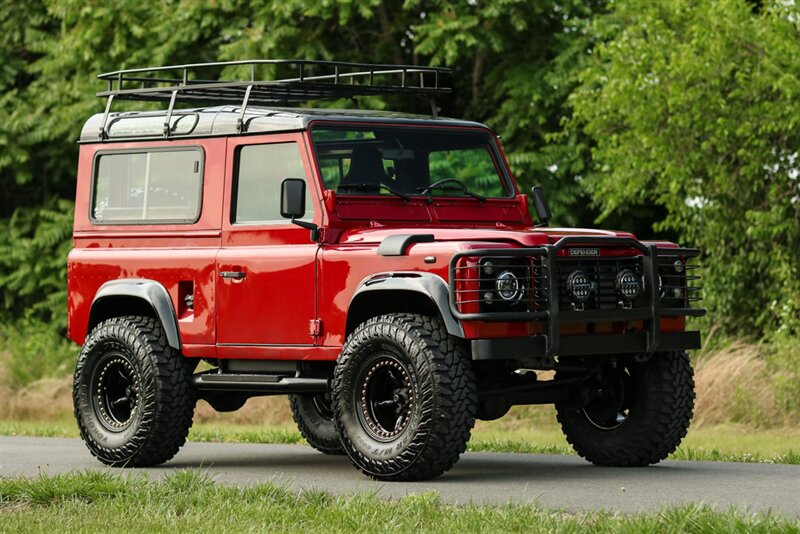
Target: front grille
point(603, 273)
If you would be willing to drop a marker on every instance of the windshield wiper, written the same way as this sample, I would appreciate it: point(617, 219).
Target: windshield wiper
point(442, 185)
point(369, 187)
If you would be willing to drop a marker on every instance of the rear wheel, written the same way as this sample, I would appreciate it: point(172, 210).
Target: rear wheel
point(403, 398)
point(314, 417)
point(132, 395)
point(640, 415)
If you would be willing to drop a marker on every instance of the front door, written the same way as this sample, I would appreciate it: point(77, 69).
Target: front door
point(266, 287)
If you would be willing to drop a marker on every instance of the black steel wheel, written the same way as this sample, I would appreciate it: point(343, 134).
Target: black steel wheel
point(132, 395)
point(314, 417)
point(611, 408)
point(115, 387)
point(386, 400)
point(403, 398)
point(640, 414)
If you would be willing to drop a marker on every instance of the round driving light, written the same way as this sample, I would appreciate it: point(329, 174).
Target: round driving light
point(628, 284)
point(488, 297)
point(488, 267)
point(579, 287)
point(678, 266)
point(508, 286)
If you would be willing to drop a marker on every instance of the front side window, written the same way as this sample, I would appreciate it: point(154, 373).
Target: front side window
point(411, 161)
point(155, 186)
point(261, 170)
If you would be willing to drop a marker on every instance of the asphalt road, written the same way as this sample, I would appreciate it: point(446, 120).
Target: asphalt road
point(555, 482)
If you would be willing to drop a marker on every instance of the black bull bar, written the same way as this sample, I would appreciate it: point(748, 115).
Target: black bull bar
point(551, 343)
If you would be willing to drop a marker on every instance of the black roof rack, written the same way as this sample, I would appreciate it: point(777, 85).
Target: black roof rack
point(312, 80)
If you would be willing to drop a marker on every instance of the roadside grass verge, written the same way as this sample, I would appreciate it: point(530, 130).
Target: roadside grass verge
point(726, 443)
point(188, 501)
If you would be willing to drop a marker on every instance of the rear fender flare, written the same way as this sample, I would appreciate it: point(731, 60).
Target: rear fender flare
point(149, 291)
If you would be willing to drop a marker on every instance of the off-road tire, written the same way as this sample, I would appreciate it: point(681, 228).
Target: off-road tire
point(315, 424)
point(441, 389)
point(661, 409)
point(159, 423)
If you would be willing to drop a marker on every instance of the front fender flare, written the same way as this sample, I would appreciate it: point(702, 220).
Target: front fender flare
point(150, 291)
point(432, 286)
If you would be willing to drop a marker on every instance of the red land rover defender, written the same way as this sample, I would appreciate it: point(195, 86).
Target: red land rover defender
point(379, 268)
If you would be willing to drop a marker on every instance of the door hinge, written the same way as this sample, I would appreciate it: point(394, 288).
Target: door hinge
point(315, 327)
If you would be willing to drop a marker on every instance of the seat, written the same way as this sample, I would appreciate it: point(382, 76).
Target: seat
point(366, 168)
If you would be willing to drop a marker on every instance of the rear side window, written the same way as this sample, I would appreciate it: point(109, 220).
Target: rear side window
point(148, 186)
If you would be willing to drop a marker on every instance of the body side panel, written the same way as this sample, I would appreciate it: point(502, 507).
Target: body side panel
point(180, 257)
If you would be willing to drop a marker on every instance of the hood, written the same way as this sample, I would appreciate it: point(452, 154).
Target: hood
point(526, 237)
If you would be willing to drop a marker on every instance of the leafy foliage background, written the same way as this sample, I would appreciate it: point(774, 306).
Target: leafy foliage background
point(674, 118)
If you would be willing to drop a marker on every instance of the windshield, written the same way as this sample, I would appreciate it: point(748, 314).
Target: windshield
point(407, 161)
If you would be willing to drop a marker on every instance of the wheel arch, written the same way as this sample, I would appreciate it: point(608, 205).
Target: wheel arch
point(399, 292)
point(136, 296)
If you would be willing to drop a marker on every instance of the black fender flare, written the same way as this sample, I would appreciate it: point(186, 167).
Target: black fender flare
point(149, 291)
point(430, 285)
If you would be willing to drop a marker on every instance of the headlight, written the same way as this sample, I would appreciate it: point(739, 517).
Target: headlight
point(508, 286)
point(505, 283)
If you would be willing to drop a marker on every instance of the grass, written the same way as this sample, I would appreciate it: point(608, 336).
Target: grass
point(31, 350)
point(729, 443)
point(749, 383)
point(191, 501)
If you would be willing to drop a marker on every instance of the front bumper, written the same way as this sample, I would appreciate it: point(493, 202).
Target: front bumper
point(531, 347)
point(551, 342)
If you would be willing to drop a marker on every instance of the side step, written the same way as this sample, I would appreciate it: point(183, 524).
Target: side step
point(258, 384)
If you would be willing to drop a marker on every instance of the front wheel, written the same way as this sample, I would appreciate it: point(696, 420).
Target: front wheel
point(132, 393)
point(403, 398)
point(639, 416)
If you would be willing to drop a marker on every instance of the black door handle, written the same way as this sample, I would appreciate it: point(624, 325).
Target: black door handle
point(234, 275)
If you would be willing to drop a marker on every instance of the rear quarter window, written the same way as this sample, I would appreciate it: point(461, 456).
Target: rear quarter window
point(147, 186)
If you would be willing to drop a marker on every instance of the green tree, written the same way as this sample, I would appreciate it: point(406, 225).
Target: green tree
point(695, 106)
point(515, 64)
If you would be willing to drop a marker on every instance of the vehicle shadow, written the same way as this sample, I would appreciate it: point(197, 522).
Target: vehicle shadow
point(472, 468)
point(294, 457)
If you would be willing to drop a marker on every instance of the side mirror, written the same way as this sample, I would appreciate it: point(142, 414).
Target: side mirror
point(293, 198)
point(540, 204)
point(293, 205)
